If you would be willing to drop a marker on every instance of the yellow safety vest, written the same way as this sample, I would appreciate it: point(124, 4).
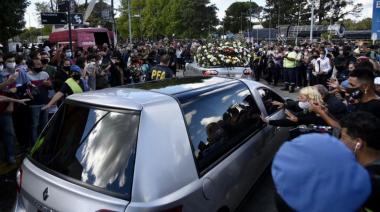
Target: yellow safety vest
point(74, 86)
point(288, 63)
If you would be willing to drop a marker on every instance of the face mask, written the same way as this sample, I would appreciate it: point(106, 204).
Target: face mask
point(1, 67)
point(10, 65)
point(68, 54)
point(100, 62)
point(66, 68)
point(356, 93)
point(322, 56)
point(76, 76)
point(304, 105)
point(45, 61)
point(37, 70)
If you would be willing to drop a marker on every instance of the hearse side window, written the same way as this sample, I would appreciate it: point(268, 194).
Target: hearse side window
point(219, 119)
point(268, 97)
point(90, 146)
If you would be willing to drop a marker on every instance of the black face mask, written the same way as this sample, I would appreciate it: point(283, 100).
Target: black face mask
point(355, 93)
point(37, 70)
point(66, 68)
point(44, 61)
point(76, 76)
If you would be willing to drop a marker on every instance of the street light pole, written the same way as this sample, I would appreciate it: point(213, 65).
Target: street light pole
point(298, 24)
point(129, 21)
point(69, 21)
point(312, 20)
point(113, 24)
point(250, 21)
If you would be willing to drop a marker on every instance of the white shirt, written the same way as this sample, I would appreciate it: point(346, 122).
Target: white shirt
point(323, 66)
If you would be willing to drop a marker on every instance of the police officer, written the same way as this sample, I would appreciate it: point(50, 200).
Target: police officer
point(161, 71)
point(290, 63)
point(72, 85)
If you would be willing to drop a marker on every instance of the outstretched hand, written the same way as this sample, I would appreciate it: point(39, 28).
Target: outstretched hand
point(291, 116)
point(23, 101)
point(45, 107)
point(279, 105)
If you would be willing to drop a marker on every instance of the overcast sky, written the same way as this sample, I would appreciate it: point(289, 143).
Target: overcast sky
point(32, 19)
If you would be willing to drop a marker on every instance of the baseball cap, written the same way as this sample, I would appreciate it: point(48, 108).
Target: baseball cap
point(317, 172)
point(75, 68)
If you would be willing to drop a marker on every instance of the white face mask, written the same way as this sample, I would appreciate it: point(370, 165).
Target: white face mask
point(1, 67)
point(68, 54)
point(304, 105)
point(10, 65)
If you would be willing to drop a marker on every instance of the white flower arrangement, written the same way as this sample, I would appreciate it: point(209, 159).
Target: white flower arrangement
point(229, 54)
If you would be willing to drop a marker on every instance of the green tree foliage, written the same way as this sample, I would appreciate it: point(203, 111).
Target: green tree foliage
point(155, 19)
point(238, 16)
point(30, 35)
point(284, 12)
point(197, 19)
point(281, 12)
point(138, 29)
point(12, 18)
point(364, 24)
point(336, 10)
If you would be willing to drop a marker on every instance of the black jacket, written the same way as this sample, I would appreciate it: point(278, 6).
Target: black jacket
point(373, 200)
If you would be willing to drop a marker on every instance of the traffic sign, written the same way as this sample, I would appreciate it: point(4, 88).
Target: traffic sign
point(374, 36)
point(376, 20)
point(77, 19)
point(53, 18)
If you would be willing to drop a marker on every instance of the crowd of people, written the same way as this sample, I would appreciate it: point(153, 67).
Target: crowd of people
point(338, 86)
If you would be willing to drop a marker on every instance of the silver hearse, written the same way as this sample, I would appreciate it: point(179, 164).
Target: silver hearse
point(193, 69)
point(190, 144)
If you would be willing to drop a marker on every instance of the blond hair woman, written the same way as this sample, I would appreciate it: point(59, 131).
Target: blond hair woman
point(299, 112)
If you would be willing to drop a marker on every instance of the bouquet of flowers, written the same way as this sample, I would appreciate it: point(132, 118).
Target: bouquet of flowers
point(226, 54)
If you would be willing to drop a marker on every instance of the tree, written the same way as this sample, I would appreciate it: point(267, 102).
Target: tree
point(284, 12)
point(153, 14)
point(165, 18)
point(11, 18)
point(238, 16)
point(138, 29)
point(364, 24)
point(333, 11)
point(30, 35)
point(198, 18)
